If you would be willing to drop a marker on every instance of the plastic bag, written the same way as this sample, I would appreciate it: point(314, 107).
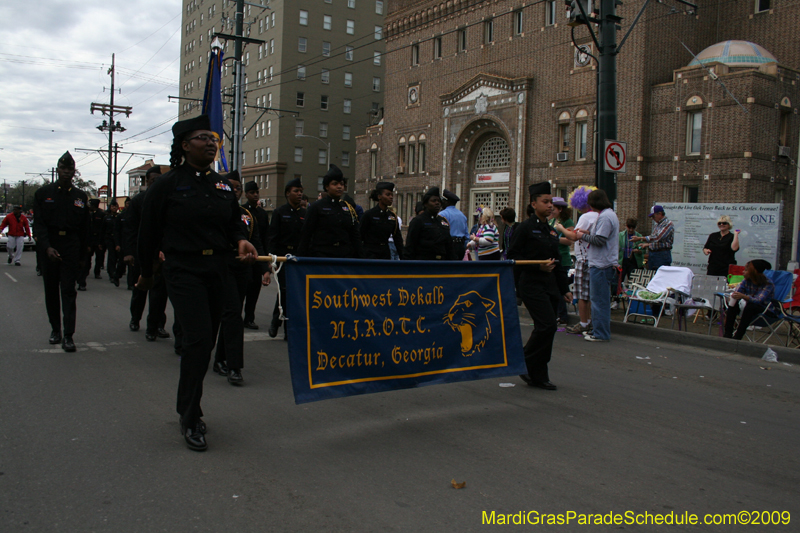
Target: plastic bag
point(770, 356)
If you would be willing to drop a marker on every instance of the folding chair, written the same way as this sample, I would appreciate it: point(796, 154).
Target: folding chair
point(658, 290)
point(701, 297)
point(773, 315)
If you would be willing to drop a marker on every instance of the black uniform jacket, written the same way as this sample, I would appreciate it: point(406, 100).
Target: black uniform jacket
point(284, 230)
point(254, 236)
point(262, 221)
point(376, 227)
point(62, 216)
point(130, 230)
point(96, 227)
point(109, 229)
point(532, 240)
point(190, 212)
point(429, 238)
point(331, 230)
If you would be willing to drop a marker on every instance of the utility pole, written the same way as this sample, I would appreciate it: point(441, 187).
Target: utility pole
point(110, 109)
point(116, 152)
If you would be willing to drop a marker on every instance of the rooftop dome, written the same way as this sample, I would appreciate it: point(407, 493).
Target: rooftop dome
point(734, 54)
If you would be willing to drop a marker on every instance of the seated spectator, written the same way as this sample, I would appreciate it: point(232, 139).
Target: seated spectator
point(755, 292)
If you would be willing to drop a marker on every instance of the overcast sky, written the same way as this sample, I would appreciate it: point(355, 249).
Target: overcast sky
point(54, 58)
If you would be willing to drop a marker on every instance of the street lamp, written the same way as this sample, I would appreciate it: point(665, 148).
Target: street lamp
point(328, 144)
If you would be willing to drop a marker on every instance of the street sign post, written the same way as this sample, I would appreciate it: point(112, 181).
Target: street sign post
point(102, 192)
point(615, 156)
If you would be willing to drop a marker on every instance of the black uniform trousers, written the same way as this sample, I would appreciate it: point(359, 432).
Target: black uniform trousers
point(230, 341)
point(253, 291)
point(541, 301)
point(115, 266)
point(99, 258)
point(196, 288)
point(59, 282)
point(276, 312)
point(156, 316)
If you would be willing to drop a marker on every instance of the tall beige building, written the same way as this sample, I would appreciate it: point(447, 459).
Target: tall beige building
point(319, 73)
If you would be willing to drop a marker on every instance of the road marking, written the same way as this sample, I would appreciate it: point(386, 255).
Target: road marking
point(11, 277)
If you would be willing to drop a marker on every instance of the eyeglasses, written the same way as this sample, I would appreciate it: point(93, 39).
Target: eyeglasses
point(722, 224)
point(204, 137)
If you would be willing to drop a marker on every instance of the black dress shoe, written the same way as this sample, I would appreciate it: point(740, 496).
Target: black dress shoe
point(546, 385)
point(273, 328)
point(220, 368)
point(55, 337)
point(81, 287)
point(115, 281)
point(195, 439)
point(150, 336)
point(235, 377)
point(201, 426)
point(251, 325)
point(67, 344)
point(38, 272)
point(162, 333)
point(134, 325)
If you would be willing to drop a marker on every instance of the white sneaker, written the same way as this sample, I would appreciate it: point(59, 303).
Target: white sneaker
point(592, 338)
point(615, 305)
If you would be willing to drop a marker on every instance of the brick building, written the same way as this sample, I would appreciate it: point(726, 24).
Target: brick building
point(486, 97)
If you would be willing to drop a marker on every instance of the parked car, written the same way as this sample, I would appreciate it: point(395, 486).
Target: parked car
point(28, 243)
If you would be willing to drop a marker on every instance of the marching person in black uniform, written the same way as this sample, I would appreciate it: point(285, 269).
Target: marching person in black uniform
point(540, 286)
point(110, 240)
point(62, 231)
point(251, 192)
point(331, 227)
point(380, 223)
point(229, 356)
point(156, 315)
point(428, 233)
point(122, 251)
point(192, 216)
point(96, 217)
point(284, 238)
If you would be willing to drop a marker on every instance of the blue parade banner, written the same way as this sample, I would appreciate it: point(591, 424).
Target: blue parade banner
point(362, 326)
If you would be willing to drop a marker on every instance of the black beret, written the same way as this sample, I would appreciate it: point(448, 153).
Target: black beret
point(384, 185)
point(250, 186)
point(294, 183)
point(539, 188)
point(433, 191)
point(182, 127)
point(66, 160)
point(333, 174)
point(94, 201)
point(233, 175)
point(155, 169)
point(760, 265)
point(451, 197)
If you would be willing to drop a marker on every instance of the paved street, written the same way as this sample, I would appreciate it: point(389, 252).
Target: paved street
point(90, 441)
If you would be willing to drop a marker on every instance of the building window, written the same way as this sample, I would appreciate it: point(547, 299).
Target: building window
point(303, 18)
point(373, 160)
point(488, 31)
point(376, 58)
point(348, 79)
point(298, 154)
point(325, 77)
point(301, 72)
point(437, 48)
point(270, 73)
point(351, 27)
point(550, 12)
point(322, 156)
point(345, 159)
point(327, 22)
point(323, 129)
point(269, 100)
point(323, 102)
point(255, 156)
point(784, 128)
point(269, 127)
point(494, 153)
point(694, 130)
point(302, 44)
point(462, 40)
point(691, 194)
point(260, 51)
point(272, 46)
point(301, 99)
point(518, 23)
point(351, 4)
point(414, 55)
point(421, 148)
point(326, 48)
point(378, 7)
point(347, 106)
point(582, 130)
point(401, 155)
point(272, 19)
point(378, 33)
point(345, 133)
point(269, 156)
point(412, 156)
point(348, 53)
point(762, 5)
point(299, 126)
point(376, 84)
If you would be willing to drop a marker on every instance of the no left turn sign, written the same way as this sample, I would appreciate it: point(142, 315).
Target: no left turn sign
point(615, 156)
